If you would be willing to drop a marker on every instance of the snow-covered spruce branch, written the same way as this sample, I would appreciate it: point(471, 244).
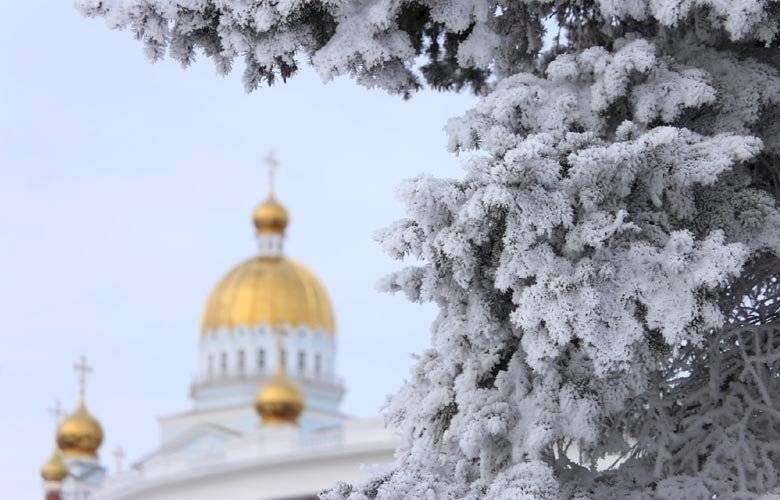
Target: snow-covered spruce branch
point(606, 270)
point(712, 424)
point(378, 42)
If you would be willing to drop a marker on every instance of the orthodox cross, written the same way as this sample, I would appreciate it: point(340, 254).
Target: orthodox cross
point(56, 411)
point(119, 457)
point(82, 368)
point(273, 164)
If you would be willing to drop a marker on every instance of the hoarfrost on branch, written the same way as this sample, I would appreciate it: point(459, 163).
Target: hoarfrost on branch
point(607, 268)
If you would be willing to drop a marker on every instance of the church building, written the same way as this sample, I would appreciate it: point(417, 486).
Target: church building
point(265, 421)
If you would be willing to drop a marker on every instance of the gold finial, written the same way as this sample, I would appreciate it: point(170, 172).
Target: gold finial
point(279, 401)
point(273, 164)
point(82, 368)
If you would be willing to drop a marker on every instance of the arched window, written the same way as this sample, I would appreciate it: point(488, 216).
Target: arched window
point(283, 359)
point(223, 363)
point(240, 362)
point(301, 362)
point(260, 360)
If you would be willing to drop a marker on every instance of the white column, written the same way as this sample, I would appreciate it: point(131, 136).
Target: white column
point(270, 244)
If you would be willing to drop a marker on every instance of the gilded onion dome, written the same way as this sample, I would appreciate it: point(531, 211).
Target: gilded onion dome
point(270, 216)
point(54, 469)
point(268, 288)
point(279, 401)
point(80, 434)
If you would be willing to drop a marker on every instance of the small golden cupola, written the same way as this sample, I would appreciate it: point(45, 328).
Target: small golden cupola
point(54, 469)
point(80, 434)
point(270, 216)
point(278, 400)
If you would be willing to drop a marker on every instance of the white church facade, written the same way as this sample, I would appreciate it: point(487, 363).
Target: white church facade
point(265, 421)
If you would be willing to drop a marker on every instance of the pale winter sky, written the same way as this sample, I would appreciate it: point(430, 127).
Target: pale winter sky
point(125, 193)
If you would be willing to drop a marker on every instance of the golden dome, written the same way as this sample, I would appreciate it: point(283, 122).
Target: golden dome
point(268, 290)
point(80, 434)
point(54, 470)
point(270, 216)
point(279, 401)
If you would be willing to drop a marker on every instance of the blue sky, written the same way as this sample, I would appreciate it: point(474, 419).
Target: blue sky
point(125, 193)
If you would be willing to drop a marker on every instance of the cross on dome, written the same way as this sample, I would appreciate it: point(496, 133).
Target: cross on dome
point(119, 457)
point(82, 369)
point(56, 411)
point(272, 163)
point(270, 217)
